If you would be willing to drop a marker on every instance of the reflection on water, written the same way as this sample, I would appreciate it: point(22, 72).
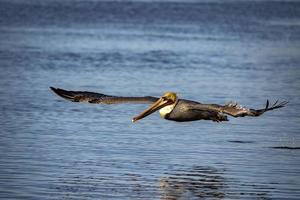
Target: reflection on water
point(198, 182)
point(210, 183)
point(183, 183)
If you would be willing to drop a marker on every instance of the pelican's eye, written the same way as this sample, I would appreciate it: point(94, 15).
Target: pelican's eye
point(164, 98)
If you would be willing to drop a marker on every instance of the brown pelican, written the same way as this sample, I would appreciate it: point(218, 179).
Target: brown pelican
point(170, 106)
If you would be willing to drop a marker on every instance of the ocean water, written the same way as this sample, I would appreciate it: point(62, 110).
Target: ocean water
point(208, 51)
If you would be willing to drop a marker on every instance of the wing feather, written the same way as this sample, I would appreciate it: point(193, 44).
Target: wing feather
point(98, 98)
point(236, 110)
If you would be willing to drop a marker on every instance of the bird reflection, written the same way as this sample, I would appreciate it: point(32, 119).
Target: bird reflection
point(195, 183)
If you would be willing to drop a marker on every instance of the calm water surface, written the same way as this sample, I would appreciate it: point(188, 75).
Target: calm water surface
point(209, 52)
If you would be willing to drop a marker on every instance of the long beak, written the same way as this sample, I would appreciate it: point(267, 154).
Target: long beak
point(154, 107)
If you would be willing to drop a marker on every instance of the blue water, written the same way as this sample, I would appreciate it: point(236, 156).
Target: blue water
point(212, 52)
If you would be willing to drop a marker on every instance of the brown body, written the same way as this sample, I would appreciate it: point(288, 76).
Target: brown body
point(186, 110)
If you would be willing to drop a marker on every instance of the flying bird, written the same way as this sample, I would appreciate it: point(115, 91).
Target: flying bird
point(170, 106)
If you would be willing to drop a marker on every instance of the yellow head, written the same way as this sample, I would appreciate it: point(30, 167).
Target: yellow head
point(170, 96)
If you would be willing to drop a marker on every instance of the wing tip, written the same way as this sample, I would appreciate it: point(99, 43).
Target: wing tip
point(56, 90)
point(62, 93)
point(267, 105)
point(53, 89)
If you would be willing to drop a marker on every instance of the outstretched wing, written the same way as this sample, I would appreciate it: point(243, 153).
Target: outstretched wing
point(236, 110)
point(98, 98)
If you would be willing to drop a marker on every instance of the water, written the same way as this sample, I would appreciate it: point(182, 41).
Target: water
point(212, 52)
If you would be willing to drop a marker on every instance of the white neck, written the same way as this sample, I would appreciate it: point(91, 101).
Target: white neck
point(167, 109)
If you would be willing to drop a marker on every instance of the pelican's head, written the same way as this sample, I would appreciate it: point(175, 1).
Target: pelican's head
point(165, 104)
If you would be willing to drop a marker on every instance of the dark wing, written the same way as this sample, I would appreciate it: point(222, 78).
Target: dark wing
point(98, 98)
point(236, 110)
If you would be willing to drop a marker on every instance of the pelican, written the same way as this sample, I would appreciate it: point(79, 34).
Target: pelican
point(170, 106)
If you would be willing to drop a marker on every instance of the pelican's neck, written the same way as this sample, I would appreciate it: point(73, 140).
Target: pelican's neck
point(167, 109)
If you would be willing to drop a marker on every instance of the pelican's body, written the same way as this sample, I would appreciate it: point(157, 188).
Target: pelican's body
point(186, 110)
point(170, 106)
